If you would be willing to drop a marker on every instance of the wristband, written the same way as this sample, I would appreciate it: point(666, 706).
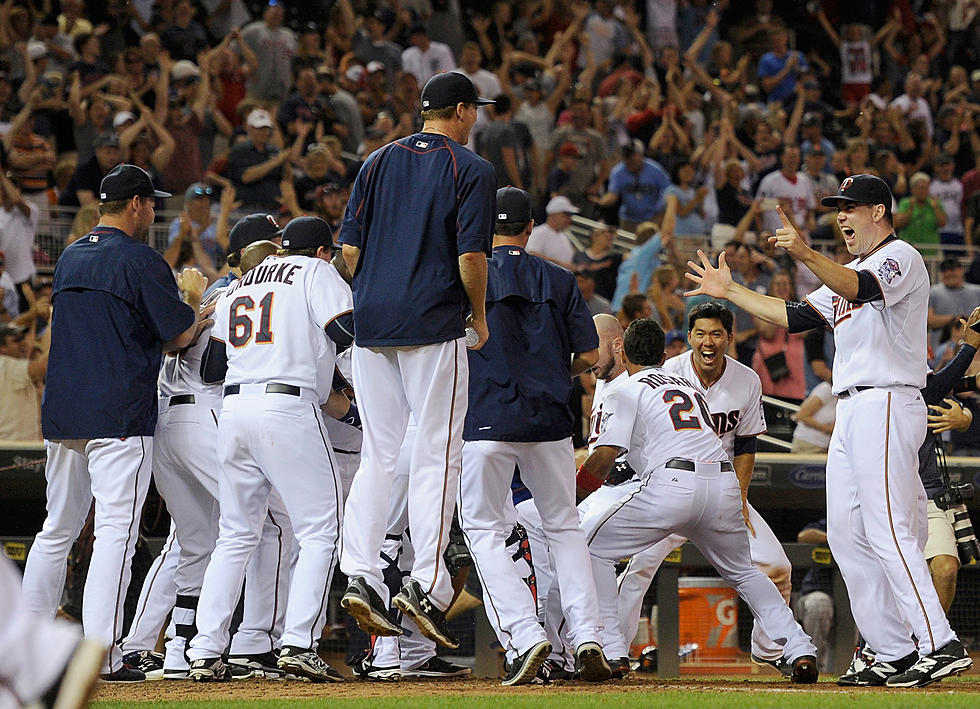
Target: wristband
point(587, 481)
point(352, 417)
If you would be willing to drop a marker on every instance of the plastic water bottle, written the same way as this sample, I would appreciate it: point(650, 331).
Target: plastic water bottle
point(472, 338)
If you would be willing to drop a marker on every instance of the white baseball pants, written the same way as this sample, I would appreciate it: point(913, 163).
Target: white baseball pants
point(266, 442)
point(487, 517)
point(430, 381)
point(34, 650)
point(706, 507)
point(877, 523)
point(116, 472)
point(156, 597)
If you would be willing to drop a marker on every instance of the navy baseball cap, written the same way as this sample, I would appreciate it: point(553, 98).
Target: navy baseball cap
point(448, 88)
point(307, 233)
point(513, 205)
point(127, 181)
point(861, 189)
point(248, 230)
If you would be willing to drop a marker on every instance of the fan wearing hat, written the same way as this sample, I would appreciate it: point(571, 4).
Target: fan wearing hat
point(427, 196)
point(84, 186)
point(275, 46)
point(255, 165)
point(552, 240)
point(117, 309)
point(197, 227)
point(518, 414)
point(371, 45)
point(877, 306)
point(638, 184)
point(426, 58)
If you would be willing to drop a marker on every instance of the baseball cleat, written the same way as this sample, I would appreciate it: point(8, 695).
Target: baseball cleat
point(619, 666)
point(72, 689)
point(176, 673)
point(951, 659)
point(878, 672)
point(262, 665)
point(436, 667)
point(146, 661)
point(525, 667)
point(863, 657)
point(552, 670)
point(413, 602)
point(209, 669)
point(307, 664)
point(367, 608)
point(592, 663)
point(124, 674)
point(804, 670)
point(363, 669)
point(781, 666)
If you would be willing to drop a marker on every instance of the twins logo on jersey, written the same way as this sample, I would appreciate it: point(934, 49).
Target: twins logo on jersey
point(724, 422)
point(843, 309)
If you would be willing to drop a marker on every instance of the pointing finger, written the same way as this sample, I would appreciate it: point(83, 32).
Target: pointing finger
point(782, 217)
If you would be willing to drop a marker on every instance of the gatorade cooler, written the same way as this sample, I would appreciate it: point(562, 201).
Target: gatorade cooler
point(708, 616)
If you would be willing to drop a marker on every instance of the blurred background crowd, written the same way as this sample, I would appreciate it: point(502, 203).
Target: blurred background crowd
point(644, 129)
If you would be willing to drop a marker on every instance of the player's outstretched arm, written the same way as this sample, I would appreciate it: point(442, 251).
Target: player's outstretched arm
point(718, 283)
point(843, 281)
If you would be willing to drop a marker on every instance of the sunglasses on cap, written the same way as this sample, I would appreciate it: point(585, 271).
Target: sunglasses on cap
point(202, 191)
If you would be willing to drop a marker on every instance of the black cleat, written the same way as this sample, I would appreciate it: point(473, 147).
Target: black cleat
point(413, 602)
point(364, 603)
point(592, 665)
point(804, 670)
point(781, 666)
point(951, 659)
point(124, 674)
point(878, 672)
point(525, 667)
point(209, 669)
point(306, 664)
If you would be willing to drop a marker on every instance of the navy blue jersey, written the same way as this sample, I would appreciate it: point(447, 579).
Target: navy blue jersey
point(416, 205)
point(115, 303)
point(520, 380)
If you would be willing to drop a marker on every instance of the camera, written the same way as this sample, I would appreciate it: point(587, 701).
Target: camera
point(952, 502)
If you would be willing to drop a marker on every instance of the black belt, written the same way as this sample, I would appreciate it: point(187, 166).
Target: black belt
point(846, 394)
point(273, 388)
point(181, 399)
point(688, 465)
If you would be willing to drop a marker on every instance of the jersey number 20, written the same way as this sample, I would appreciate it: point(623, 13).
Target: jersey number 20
point(681, 408)
point(240, 321)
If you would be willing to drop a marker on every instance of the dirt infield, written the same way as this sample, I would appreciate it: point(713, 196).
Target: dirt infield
point(172, 691)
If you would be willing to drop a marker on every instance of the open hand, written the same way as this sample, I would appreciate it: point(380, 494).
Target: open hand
point(712, 281)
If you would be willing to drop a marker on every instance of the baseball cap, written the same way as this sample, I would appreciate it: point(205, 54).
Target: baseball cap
point(310, 27)
point(569, 150)
point(307, 233)
point(975, 75)
point(325, 188)
point(259, 118)
point(11, 331)
point(866, 189)
point(812, 119)
point(126, 181)
point(950, 263)
point(254, 227)
point(448, 88)
point(943, 159)
point(184, 69)
point(561, 205)
point(198, 189)
point(36, 49)
point(122, 117)
point(513, 205)
point(417, 28)
point(633, 147)
point(673, 336)
point(374, 67)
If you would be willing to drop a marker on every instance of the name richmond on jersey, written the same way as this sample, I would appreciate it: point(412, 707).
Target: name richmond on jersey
point(681, 406)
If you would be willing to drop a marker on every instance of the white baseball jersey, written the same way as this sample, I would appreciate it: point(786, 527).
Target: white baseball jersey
point(285, 299)
point(881, 344)
point(798, 192)
point(735, 400)
point(603, 389)
point(181, 372)
point(950, 195)
point(655, 416)
point(856, 62)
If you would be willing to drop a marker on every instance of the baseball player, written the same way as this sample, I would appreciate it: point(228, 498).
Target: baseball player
point(281, 321)
point(185, 470)
point(688, 486)
point(733, 394)
point(876, 509)
point(117, 310)
point(518, 414)
point(418, 258)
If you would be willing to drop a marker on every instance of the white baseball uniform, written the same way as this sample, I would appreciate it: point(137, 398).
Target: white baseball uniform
point(271, 435)
point(185, 469)
point(735, 403)
point(798, 191)
point(156, 598)
point(876, 505)
point(687, 486)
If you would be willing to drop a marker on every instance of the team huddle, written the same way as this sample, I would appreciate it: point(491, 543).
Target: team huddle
point(320, 407)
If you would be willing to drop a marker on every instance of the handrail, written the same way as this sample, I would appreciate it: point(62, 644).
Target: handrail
point(780, 403)
point(773, 441)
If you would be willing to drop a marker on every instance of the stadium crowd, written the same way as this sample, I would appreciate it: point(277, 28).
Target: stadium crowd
point(671, 119)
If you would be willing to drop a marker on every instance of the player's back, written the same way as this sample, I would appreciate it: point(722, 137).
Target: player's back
point(181, 371)
point(672, 420)
point(272, 321)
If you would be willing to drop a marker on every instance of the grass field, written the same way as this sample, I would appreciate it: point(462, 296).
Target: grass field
point(707, 693)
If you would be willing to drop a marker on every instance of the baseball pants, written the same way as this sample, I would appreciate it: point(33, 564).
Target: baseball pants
point(116, 472)
point(430, 381)
point(487, 517)
point(266, 442)
point(767, 554)
point(877, 525)
point(33, 651)
point(156, 597)
point(185, 465)
point(706, 507)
